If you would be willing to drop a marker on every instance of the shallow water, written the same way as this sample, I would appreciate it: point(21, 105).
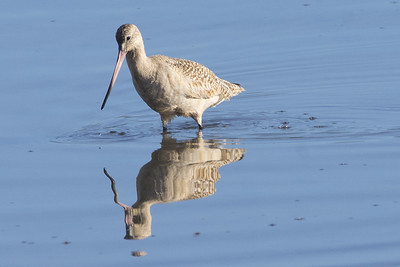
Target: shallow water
point(299, 170)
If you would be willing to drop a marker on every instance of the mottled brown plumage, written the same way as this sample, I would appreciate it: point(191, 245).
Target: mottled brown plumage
point(170, 86)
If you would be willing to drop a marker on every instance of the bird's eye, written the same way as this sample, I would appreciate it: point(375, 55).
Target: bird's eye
point(128, 38)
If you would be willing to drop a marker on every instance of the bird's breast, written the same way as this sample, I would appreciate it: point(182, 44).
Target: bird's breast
point(162, 91)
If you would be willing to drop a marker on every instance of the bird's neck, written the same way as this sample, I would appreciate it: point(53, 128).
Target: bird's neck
point(139, 64)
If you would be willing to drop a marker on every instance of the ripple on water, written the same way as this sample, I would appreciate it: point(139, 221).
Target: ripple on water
point(279, 125)
point(122, 129)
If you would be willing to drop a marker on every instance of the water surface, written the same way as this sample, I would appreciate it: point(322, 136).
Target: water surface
point(299, 170)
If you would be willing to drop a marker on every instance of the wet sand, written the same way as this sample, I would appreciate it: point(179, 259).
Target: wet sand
point(299, 170)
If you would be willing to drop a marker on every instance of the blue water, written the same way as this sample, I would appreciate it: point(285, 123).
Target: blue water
point(304, 163)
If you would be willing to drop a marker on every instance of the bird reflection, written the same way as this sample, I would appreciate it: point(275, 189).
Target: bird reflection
point(177, 171)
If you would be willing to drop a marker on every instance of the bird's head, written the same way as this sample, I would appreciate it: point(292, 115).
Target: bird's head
point(129, 40)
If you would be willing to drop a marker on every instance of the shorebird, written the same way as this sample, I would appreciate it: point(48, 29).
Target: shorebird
point(170, 86)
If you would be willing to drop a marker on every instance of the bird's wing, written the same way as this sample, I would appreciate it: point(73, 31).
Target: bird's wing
point(203, 83)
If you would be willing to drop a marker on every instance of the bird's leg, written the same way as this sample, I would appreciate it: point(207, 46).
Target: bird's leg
point(198, 119)
point(165, 120)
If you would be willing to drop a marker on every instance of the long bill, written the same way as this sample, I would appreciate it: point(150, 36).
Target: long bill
point(120, 60)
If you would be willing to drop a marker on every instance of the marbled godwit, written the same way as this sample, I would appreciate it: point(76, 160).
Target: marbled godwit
point(170, 86)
